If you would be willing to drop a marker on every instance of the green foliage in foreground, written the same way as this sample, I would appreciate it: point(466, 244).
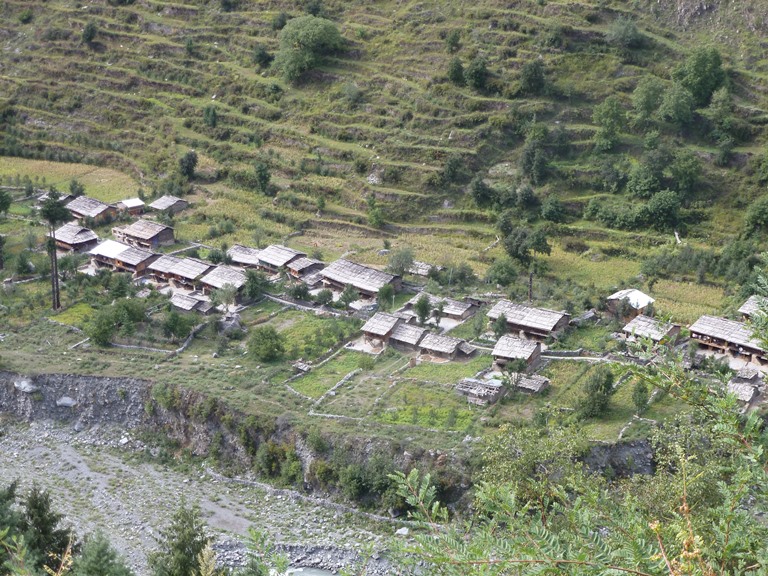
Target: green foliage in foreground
point(539, 511)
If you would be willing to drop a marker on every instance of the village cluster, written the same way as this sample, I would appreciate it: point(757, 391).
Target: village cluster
point(190, 283)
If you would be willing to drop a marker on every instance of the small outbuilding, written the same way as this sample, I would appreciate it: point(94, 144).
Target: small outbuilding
point(628, 303)
point(406, 336)
point(244, 256)
point(145, 234)
point(531, 383)
point(191, 303)
point(538, 323)
point(481, 392)
point(453, 309)
point(275, 257)
point(169, 204)
point(132, 206)
point(84, 208)
point(510, 348)
point(445, 347)
point(751, 306)
point(378, 329)
point(302, 267)
point(121, 258)
point(366, 280)
point(642, 326)
point(72, 237)
point(221, 276)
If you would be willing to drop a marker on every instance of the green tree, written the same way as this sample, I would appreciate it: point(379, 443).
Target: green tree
point(324, 297)
point(89, 32)
point(261, 56)
point(663, 209)
point(553, 210)
point(476, 74)
point(98, 558)
point(640, 396)
point(677, 105)
point(2, 251)
point(263, 177)
point(701, 74)
point(181, 544)
point(453, 40)
point(226, 296)
point(756, 219)
point(522, 243)
point(41, 530)
point(502, 272)
point(386, 297)
point(400, 261)
point(266, 344)
point(646, 99)
point(643, 181)
point(609, 116)
point(598, 390)
point(423, 308)
point(76, 188)
point(304, 41)
point(187, 164)
point(5, 202)
point(685, 171)
point(210, 116)
point(348, 295)
point(375, 214)
point(532, 77)
point(623, 33)
point(177, 326)
point(456, 71)
point(499, 326)
point(256, 283)
point(54, 213)
point(481, 192)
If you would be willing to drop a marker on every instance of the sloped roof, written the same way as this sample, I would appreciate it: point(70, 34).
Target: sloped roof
point(529, 382)
point(450, 306)
point(184, 301)
point(144, 229)
point(359, 276)
point(64, 197)
point(638, 300)
point(165, 202)
point(440, 343)
point(164, 264)
point(278, 255)
point(132, 202)
point(302, 263)
point(190, 268)
point(422, 268)
point(73, 233)
point(749, 372)
point(645, 327)
point(109, 249)
point(737, 333)
point(135, 256)
point(752, 305)
point(511, 347)
point(223, 275)
point(380, 324)
point(537, 318)
point(743, 391)
point(244, 255)
point(87, 206)
point(407, 334)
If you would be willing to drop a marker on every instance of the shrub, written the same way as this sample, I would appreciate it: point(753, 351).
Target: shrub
point(532, 79)
point(304, 41)
point(456, 71)
point(266, 344)
point(623, 33)
point(477, 73)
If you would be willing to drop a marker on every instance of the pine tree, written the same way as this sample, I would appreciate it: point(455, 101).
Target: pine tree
point(98, 558)
point(181, 544)
point(45, 540)
point(54, 213)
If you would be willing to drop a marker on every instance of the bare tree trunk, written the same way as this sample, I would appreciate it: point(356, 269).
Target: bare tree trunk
point(55, 301)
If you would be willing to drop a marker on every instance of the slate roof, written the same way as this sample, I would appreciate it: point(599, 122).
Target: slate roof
point(132, 202)
point(222, 275)
point(302, 263)
point(511, 347)
point(440, 343)
point(165, 202)
point(743, 391)
point(422, 268)
point(109, 249)
point(278, 256)
point(244, 255)
point(144, 229)
point(749, 373)
point(537, 318)
point(134, 256)
point(164, 264)
point(751, 306)
point(450, 307)
point(731, 331)
point(645, 327)
point(407, 334)
point(638, 300)
point(184, 302)
point(191, 268)
point(72, 233)
point(380, 324)
point(86, 206)
point(529, 382)
point(359, 276)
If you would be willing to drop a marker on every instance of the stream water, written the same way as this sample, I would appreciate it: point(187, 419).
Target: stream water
point(309, 572)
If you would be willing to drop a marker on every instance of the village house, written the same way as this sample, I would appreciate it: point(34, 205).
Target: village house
point(628, 303)
point(530, 383)
point(642, 327)
point(378, 329)
point(145, 234)
point(121, 258)
point(64, 198)
point(221, 276)
point(169, 204)
point(132, 206)
point(510, 348)
point(481, 392)
point(190, 303)
point(275, 257)
point(538, 323)
point(445, 347)
point(75, 238)
point(83, 208)
point(751, 306)
point(303, 267)
point(422, 268)
point(244, 256)
point(406, 336)
point(179, 272)
point(453, 309)
point(367, 281)
point(729, 337)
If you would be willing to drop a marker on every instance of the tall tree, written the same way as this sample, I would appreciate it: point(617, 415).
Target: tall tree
point(5, 202)
point(98, 558)
point(181, 544)
point(423, 308)
point(54, 213)
point(43, 536)
point(2, 251)
point(187, 164)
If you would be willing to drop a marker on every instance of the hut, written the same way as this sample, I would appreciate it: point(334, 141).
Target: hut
point(378, 330)
point(121, 258)
point(302, 267)
point(190, 303)
point(367, 281)
point(64, 198)
point(628, 303)
point(445, 347)
point(645, 327)
point(220, 276)
point(406, 336)
point(423, 269)
point(751, 306)
point(83, 208)
point(481, 392)
point(169, 204)
point(538, 323)
point(244, 256)
point(145, 234)
point(275, 257)
point(727, 336)
point(132, 206)
point(509, 348)
point(180, 272)
point(531, 383)
point(454, 309)
point(75, 238)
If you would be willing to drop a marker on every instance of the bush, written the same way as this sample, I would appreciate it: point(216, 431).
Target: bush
point(532, 79)
point(456, 71)
point(266, 344)
point(304, 41)
point(477, 74)
point(623, 33)
point(553, 210)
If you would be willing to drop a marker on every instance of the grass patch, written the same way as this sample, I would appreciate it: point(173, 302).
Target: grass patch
point(427, 406)
point(75, 315)
point(685, 301)
point(322, 379)
point(450, 372)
